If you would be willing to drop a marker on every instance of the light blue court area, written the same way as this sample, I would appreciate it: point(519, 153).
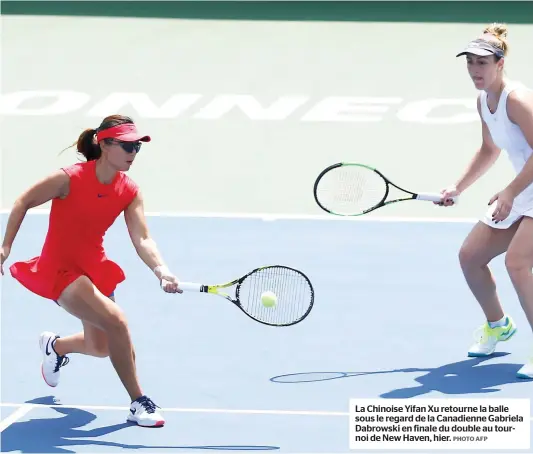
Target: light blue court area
point(393, 318)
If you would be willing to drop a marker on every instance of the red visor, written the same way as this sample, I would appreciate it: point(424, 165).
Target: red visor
point(125, 132)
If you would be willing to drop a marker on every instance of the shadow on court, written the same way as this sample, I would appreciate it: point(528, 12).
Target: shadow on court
point(470, 376)
point(55, 435)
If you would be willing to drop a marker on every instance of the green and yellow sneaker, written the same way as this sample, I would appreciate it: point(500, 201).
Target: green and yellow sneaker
point(487, 338)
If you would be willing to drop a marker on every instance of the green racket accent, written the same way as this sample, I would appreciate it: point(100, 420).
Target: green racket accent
point(354, 189)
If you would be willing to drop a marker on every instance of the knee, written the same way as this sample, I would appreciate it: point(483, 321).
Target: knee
point(115, 321)
point(468, 257)
point(517, 264)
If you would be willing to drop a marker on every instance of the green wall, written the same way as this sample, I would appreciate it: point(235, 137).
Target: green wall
point(452, 11)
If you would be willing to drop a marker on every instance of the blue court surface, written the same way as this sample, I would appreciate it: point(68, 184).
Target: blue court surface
point(391, 304)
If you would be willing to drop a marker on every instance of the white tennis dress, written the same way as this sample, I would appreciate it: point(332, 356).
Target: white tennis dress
point(508, 137)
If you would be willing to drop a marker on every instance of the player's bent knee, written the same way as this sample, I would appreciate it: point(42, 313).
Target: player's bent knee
point(517, 264)
point(115, 320)
point(467, 256)
point(82, 299)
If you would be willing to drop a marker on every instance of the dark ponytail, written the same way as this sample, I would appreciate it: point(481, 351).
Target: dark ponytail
point(86, 144)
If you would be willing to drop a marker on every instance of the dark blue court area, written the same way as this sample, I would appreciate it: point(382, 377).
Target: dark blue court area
point(393, 318)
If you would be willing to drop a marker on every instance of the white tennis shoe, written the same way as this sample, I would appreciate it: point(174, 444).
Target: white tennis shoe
point(51, 362)
point(144, 413)
point(526, 371)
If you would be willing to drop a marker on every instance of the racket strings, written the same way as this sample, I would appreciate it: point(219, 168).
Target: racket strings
point(293, 291)
point(350, 189)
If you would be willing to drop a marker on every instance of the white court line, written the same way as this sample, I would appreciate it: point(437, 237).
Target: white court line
point(185, 410)
point(15, 416)
point(283, 216)
point(192, 410)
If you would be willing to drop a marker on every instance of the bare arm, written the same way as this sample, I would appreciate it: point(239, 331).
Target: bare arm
point(145, 245)
point(140, 236)
point(483, 159)
point(53, 186)
point(520, 111)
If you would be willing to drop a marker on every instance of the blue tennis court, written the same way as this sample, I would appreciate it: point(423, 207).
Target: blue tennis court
point(390, 302)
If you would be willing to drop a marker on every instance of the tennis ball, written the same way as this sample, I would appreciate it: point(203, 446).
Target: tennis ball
point(269, 299)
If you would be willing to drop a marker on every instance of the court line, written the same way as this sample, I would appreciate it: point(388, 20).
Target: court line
point(25, 408)
point(15, 416)
point(284, 216)
point(184, 410)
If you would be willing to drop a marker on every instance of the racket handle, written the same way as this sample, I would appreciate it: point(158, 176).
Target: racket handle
point(190, 286)
point(432, 197)
point(186, 286)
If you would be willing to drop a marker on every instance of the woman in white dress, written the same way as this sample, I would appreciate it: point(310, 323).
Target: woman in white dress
point(506, 112)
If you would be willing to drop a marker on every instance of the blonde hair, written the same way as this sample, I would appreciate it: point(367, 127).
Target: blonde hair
point(499, 32)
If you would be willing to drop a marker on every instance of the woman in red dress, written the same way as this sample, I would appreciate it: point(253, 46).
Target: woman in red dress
point(73, 269)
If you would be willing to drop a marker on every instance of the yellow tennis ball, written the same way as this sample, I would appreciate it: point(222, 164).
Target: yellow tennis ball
point(269, 299)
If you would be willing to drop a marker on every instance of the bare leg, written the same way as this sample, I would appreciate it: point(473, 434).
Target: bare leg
point(91, 341)
point(519, 262)
point(483, 244)
point(85, 302)
point(105, 333)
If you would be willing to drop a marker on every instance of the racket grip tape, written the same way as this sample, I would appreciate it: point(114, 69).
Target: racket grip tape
point(186, 286)
point(190, 286)
point(433, 197)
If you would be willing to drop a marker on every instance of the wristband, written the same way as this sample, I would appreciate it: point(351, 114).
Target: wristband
point(162, 270)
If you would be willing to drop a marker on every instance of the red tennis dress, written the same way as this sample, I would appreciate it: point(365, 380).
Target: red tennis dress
point(74, 242)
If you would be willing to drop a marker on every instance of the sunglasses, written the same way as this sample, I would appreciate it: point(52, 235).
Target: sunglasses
point(128, 147)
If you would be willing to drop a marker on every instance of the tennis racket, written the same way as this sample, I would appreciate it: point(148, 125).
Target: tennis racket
point(294, 292)
point(351, 189)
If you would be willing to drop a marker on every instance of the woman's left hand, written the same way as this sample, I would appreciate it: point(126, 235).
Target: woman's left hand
point(504, 204)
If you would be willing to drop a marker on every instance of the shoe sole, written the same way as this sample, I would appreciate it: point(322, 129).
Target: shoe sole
point(42, 373)
point(157, 424)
